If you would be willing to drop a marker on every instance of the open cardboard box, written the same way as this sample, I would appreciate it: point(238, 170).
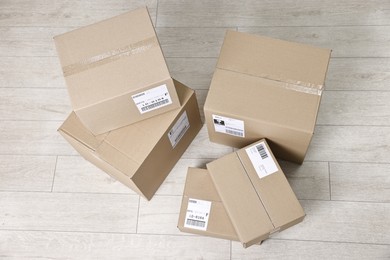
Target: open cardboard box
point(266, 88)
point(115, 72)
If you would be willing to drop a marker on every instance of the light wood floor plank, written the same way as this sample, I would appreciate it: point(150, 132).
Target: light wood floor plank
point(34, 104)
point(287, 249)
point(350, 144)
point(33, 138)
point(354, 108)
point(358, 74)
point(201, 147)
point(309, 180)
point(201, 96)
point(26, 173)
point(58, 245)
point(191, 42)
point(345, 41)
point(360, 182)
point(58, 13)
point(272, 13)
point(68, 212)
point(74, 174)
point(334, 221)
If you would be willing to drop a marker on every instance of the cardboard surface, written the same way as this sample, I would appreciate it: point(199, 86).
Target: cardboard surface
point(200, 187)
point(256, 195)
point(108, 64)
point(274, 87)
point(140, 155)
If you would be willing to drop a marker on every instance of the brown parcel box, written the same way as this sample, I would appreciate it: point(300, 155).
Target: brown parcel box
point(115, 72)
point(140, 155)
point(199, 191)
point(255, 193)
point(266, 88)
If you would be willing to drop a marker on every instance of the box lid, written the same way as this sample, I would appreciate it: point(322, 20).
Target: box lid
point(117, 54)
point(119, 146)
point(274, 59)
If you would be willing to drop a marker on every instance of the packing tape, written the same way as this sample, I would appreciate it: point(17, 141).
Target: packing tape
point(110, 56)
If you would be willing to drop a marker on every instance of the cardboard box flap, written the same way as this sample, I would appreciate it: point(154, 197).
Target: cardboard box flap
point(127, 40)
point(270, 102)
point(199, 186)
point(284, 61)
point(123, 139)
point(274, 190)
point(240, 199)
point(73, 127)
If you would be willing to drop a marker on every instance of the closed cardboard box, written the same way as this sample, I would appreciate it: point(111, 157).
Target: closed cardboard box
point(255, 193)
point(140, 155)
point(202, 211)
point(266, 88)
point(115, 72)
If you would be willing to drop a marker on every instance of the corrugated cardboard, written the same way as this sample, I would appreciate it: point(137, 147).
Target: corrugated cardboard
point(258, 204)
point(272, 87)
point(200, 187)
point(140, 155)
point(109, 65)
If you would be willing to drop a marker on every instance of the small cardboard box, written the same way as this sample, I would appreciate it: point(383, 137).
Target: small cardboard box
point(200, 193)
point(266, 88)
point(115, 72)
point(140, 155)
point(255, 193)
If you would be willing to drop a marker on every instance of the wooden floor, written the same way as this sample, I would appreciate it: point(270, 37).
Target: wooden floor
point(55, 205)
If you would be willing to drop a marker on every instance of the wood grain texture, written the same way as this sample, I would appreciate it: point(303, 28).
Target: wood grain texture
point(350, 144)
point(34, 104)
point(221, 13)
point(360, 182)
point(191, 42)
point(33, 138)
point(287, 249)
point(26, 173)
point(58, 13)
point(160, 215)
point(31, 72)
point(359, 74)
point(74, 174)
point(309, 180)
point(355, 222)
point(345, 41)
point(60, 245)
point(354, 108)
point(68, 212)
point(201, 96)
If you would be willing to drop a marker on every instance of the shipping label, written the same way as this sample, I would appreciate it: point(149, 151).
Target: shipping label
point(261, 159)
point(229, 126)
point(179, 129)
point(197, 215)
point(152, 99)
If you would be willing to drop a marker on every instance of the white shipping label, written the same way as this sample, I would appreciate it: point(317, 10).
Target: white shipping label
point(179, 129)
point(261, 159)
point(152, 99)
point(197, 215)
point(229, 126)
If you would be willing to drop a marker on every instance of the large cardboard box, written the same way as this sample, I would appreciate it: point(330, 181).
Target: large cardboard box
point(255, 193)
point(202, 211)
point(266, 88)
point(140, 155)
point(115, 72)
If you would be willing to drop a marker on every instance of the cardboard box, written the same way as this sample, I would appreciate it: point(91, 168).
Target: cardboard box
point(199, 193)
point(266, 88)
point(255, 193)
point(140, 155)
point(115, 72)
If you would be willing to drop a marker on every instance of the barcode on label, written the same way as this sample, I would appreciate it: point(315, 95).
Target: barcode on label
point(196, 223)
point(160, 103)
point(236, 133)
point(262, 152)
